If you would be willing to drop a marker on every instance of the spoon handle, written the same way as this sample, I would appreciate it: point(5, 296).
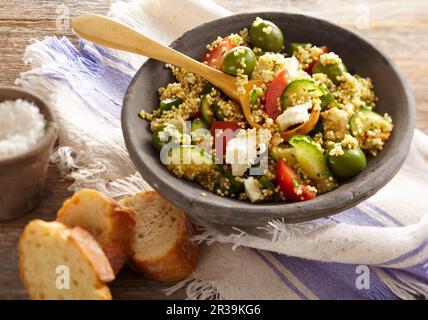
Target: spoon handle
point(112, 34)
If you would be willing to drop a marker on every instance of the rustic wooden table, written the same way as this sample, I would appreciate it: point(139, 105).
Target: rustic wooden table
point(399, 28)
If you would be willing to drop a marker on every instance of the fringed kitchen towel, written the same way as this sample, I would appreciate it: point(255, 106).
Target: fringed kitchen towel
point(377, 250)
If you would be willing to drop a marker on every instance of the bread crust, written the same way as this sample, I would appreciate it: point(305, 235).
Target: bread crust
point(178, 262)
point(89, 248)
point(116, 239)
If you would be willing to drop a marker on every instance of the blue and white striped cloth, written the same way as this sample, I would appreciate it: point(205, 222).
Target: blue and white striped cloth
point(377, 250)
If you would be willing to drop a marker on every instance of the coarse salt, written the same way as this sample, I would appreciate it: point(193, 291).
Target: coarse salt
point(21, 127)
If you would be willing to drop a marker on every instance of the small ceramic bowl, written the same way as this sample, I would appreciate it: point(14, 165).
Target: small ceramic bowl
point(360, 57)
point(22, 177)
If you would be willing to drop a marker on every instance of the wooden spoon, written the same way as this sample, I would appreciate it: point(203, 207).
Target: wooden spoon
point(112, 34)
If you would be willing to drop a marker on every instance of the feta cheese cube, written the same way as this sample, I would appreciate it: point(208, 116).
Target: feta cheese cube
point(294, 115)
point(252, 190)
point(241, 151)
point(292, 66)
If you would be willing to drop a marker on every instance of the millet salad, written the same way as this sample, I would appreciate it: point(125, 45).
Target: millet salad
point(313, 122)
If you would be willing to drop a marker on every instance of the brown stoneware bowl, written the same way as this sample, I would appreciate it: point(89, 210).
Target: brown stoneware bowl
point(359, 55)
point(22, 177)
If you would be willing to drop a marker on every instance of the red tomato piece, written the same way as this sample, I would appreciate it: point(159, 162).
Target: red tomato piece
point(274, 93)
point(308, 69)
point(289, 181)
point(215, 57)
point(220, 142)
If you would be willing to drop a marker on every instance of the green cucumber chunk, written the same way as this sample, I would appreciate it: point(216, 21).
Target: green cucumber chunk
point(189, 162)
point(299, 91)
point(284, 153)
point(314, 164)
point(168, 104)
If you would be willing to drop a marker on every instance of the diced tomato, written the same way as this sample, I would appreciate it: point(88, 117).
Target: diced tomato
point(274, 93)
point(215, 57)
point(220, 141)
point(289, 181)
point(308, 69)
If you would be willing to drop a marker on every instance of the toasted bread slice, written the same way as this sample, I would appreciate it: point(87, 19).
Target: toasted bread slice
point(162, 248)
point(111, 225)
point(56, 263)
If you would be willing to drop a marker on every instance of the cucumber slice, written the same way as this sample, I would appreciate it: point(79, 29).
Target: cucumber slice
point(206, 112)
point(297, 90)
point(189, 162)
point(198, 124)
point(364, 120)
point(314, 164)
point(168, 104)
point(284, 153)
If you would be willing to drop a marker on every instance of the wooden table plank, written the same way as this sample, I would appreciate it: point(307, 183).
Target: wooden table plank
point(398, 28)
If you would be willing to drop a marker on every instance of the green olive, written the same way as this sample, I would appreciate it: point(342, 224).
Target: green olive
point(348, 165)
point(266, 36)
point(332, 71)
point(239, 58)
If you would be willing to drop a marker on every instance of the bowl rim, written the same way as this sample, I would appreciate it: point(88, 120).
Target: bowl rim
point(51, 128)
point(350, 197)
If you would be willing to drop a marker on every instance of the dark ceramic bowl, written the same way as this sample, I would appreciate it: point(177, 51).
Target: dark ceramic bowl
point(360, 56)
point(22, 177)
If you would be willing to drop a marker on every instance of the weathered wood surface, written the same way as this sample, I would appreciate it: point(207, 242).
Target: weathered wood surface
point(399, 28)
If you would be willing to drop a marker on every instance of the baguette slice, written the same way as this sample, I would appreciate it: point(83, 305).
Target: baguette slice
point(46, 246)
point(111, 225)
point(163, 250)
